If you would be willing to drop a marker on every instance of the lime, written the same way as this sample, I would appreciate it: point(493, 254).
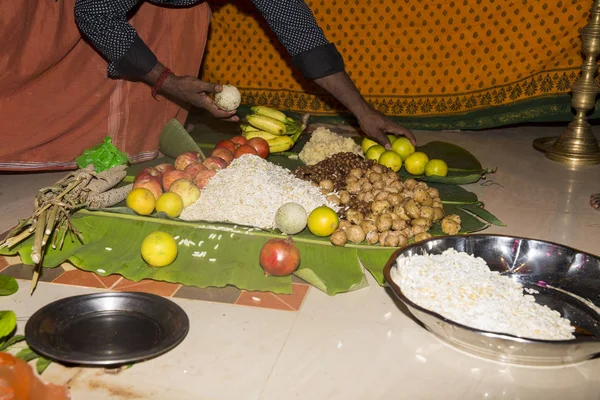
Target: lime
point(404, 147)
point(159, 249)
point(375, 152)
point(170, 203)
point(141, 200)
point(415, 163)
point(391, 159)
point(436, 167)
point(322, 221)
point(366, 144)
point(392, 138)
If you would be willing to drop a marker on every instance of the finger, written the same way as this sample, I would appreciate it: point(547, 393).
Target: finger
point(381, 138)
point(202, 100)
point(401, 131)
point(200, 86)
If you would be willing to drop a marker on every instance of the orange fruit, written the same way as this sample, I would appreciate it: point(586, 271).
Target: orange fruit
point(159, 249)
point(141, 200)
point(322, 221)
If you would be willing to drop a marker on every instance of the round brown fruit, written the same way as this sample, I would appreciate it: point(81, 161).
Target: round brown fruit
point(193, 169)
point(228, 144)
point(238, 140)
point(260, 145)
point(245, 149)
point(223, 153)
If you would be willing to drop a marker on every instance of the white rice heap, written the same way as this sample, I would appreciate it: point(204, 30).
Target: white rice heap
point(249, 192)
point(324, 143)
point(463, 289)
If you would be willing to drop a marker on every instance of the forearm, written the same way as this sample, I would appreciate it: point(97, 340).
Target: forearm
point(340, 86)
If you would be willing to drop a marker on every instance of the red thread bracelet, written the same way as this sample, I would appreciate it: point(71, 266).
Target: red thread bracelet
point(160, 81)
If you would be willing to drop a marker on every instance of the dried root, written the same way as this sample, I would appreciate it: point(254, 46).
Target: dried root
point(54, 205)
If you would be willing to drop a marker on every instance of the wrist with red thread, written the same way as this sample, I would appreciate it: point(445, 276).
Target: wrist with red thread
point(160, 82)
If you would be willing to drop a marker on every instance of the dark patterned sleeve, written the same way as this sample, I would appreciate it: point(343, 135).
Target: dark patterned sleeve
point(295, 26)
point(104, 23)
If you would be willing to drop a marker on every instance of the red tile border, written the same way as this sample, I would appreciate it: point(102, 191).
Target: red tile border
point(80, 278)
point(295, 300)
point(3, 263)
point(164, 289)
point(262, 300)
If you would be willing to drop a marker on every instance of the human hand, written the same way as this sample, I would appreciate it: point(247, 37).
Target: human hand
point(195, 92)
point(377, 126)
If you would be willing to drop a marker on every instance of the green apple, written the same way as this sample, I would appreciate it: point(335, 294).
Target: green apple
point(374, 152)
point(366, 144)
point(404, 147)
point(390, 159)
point(415, 163)
point(436, 167)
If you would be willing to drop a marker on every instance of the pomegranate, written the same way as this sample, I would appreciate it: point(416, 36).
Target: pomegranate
point(279, 257)
point(260, 145)
point(228, 144)
point(238, 140)
point(245, 149)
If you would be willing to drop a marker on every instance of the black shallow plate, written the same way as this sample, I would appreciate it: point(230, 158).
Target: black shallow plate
point(107, 329)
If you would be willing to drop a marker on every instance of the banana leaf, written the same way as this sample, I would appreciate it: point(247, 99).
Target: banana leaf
point(175, 140)
point(463, 167)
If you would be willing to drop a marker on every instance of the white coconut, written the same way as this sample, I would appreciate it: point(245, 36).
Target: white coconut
point(229, 98)
point(291, 218)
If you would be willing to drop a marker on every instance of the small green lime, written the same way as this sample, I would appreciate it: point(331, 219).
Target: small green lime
point(366, 144)
point(392, 138)
point(404, 147)
point(375, 152)
point(415, 163)
point(391, 159)
point(436, 167)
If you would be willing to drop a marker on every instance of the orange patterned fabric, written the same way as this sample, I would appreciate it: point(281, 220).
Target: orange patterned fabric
point(409, 57)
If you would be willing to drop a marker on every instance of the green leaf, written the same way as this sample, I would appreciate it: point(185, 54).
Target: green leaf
point(174, 140)
point(8, 285)
point(452, 194)
point(374, 260)
point(455, 156)
point(26, 354)
point(41, 364)
point(13, 340)
point(463, 167)
point(482, 213)
point(8, 323)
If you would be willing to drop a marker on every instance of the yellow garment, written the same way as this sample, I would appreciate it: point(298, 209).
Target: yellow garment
point(414, 58)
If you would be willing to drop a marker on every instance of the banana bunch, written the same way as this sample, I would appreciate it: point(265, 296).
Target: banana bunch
point(279, 130)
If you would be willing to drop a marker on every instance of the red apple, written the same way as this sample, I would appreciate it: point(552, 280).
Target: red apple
point(147, 172)
point(245, 149)
point(152, 183)
point(187, 158)
point(239, 140)
point(203, 177)
point(171, 176)
point(187, 190)
point(228, 144)
point(215, 163)
point(162, 168)
point(260, 145)
point(193, 169)
point(224, 153)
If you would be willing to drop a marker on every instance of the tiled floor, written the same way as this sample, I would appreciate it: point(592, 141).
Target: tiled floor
point(359, 345)
point(66, 274)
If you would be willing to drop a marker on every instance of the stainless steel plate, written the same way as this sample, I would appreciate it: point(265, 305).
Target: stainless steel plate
point(107, 329)
point(529, 262)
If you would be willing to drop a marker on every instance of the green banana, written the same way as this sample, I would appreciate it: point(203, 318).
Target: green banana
point(261, 134)
point(280, 143)
point(270, 112)
point(266, 124)
point(248, 128)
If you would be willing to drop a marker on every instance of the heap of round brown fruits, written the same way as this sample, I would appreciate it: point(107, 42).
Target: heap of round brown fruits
point(376, 205)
